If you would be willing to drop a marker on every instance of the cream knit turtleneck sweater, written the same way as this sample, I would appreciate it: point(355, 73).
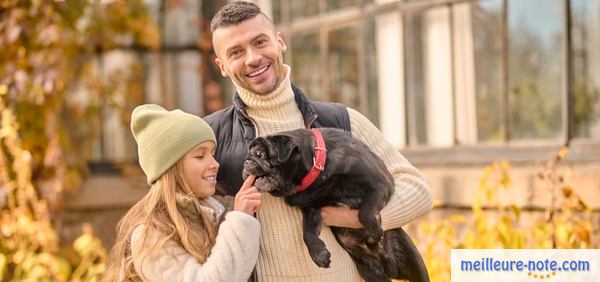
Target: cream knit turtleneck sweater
point(283, 255)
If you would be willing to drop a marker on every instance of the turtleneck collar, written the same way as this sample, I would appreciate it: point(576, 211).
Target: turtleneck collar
point(278, 104)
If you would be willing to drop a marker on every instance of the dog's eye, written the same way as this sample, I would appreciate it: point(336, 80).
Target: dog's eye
point(259, 154)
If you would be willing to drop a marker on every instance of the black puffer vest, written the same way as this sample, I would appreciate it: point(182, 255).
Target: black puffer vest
point(234, 131)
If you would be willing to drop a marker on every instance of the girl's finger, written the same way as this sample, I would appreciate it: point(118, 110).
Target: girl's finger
point(248, 182)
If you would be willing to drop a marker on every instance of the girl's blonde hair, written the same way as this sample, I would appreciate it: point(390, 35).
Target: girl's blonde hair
point(160, 210)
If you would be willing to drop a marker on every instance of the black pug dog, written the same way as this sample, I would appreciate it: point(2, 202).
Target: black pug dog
point(354, 176)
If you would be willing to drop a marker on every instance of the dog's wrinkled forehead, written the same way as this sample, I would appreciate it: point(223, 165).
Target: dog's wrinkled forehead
point(258, 146)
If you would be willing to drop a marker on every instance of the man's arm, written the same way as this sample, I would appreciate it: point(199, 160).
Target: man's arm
point(411, 198)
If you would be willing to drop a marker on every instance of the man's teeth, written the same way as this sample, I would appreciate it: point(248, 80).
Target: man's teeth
point(258, 72)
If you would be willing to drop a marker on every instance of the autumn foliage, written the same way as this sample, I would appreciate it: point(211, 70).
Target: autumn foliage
point(51, 96)
point(565, 222)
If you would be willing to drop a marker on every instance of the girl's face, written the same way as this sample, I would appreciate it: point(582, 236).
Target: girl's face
point(200, 169)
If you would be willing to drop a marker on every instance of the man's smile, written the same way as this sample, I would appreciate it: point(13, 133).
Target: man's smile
point(258, 72)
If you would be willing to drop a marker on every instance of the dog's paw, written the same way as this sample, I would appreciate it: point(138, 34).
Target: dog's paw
point(322, 258)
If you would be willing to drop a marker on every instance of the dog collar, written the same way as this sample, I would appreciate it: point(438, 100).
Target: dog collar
point(319, 158)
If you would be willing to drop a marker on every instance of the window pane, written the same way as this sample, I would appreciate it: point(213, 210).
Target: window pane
point(343, 67)
point(276, 8)
point(535, 68)
point(487, 40)
point(586, 67)
point(306, 71)
point(189, 85)
point(340, 4)
point(414, 44)
point(306, 8)
point(181, 23)
point(115, 142)
point(370, 40)
point(429, 78)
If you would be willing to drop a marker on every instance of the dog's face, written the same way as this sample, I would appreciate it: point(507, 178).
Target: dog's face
point(274, 160)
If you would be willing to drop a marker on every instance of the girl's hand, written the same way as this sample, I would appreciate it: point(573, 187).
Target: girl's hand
point(247, 200)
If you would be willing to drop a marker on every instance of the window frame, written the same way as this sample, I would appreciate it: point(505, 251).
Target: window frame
point(517, 151)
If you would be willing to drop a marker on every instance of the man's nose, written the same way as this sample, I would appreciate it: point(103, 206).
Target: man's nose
point(254, 57)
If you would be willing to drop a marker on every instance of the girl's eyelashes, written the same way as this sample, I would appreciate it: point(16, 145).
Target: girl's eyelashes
point(202, 157)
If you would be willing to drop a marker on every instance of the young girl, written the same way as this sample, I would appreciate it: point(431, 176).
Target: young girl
point(170, 234)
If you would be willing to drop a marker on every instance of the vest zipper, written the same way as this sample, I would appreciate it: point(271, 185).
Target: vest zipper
point(254, 272)
point(255, 127)
point(245, 115)
point(311, 121)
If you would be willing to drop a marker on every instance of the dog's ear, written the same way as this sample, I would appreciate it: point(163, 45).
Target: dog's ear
point(285, 147)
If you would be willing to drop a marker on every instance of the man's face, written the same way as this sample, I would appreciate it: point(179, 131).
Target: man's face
point(251, 54)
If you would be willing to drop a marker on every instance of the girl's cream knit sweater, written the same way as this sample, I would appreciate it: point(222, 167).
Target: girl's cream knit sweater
point(231, 259)
point(283, 255)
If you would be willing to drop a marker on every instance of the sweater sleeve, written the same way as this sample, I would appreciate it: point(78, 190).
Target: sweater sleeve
point(411, 198)
point(232, 258)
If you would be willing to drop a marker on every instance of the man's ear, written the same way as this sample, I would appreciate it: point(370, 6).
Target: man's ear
point(221, 66)
point(281, 42)
point(285, 147)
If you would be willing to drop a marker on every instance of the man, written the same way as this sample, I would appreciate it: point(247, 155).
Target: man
point(250, 52)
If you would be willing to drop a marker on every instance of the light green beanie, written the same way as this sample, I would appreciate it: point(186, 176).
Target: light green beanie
point(163, 137)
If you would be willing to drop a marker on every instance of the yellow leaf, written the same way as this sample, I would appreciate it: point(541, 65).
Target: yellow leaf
point(562, 234)
point(63, 268)
point(458, 218)
point(82, 243)
point(3, 263)
point(516, 211)
point(505, 180)
point(564, 151)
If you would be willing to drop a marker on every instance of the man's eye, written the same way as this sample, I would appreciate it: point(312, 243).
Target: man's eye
point(235, 53)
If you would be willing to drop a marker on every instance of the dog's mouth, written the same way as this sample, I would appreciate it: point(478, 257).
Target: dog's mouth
point(264, 181)
point(261, 181)
point(262, 184)
point(252, 168)
point(247, 172)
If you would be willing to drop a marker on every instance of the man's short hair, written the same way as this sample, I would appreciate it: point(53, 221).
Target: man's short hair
point(234, 13)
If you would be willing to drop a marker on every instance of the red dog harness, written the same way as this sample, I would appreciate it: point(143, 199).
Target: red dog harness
point(319, 158)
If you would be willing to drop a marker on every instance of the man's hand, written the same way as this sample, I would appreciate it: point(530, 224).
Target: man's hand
point(340, 216)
